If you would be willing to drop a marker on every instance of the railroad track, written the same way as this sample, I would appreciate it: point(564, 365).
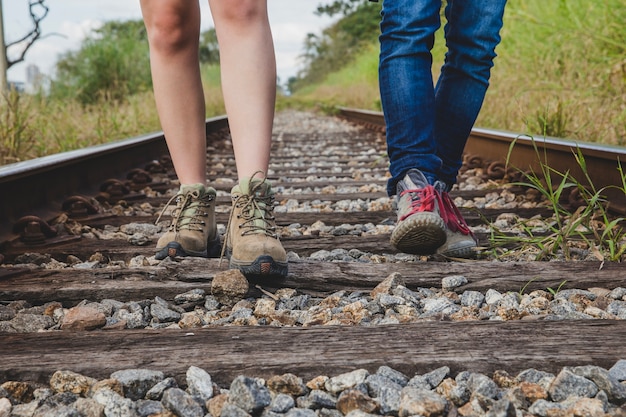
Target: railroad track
point(79, 228)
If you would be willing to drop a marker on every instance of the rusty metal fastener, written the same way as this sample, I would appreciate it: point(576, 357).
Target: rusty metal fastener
point(79, 206)
point(155, 167)
point(114, 188)
point(139, 177)
point(33, 230)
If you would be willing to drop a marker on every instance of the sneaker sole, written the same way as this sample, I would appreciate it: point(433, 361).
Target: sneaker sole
point(419, 235)
point(174, 249)
point(263, 267)
point(466, 250)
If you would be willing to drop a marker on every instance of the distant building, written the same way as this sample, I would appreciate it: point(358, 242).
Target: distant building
point(34, 78)
point(18, 86)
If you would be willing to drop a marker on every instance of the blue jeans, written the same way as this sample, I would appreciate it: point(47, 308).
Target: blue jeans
point(427, 125)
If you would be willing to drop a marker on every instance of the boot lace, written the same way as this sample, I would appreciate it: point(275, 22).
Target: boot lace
point(257, 212)
point(190, 211)
point(422, 199)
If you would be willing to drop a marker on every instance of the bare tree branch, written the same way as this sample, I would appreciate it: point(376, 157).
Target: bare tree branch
point(38, 11)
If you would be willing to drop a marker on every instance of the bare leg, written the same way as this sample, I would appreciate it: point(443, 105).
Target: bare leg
point(173, 31)
point(248, 70)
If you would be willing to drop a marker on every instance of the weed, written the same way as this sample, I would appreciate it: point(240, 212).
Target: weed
point(525, 287)
point(551, 122)
point(589, 225)
point(554, 292)
point(16, 133)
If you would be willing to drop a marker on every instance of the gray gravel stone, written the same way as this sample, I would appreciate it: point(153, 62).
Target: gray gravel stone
point(317, 399)
point(451, 282)
point(618, 371)
point(618, 293)
point(249, 394)
point(389, 399)
point(566, 384)
point(181, 404)
point(376, 383)
point(482, 384)
point(617, 308)
point(543, 407)
point(300, 412)
point(193, 296)
point(146, 408)
point(347, 380)
point(31, 323)
point(502, 408)
point(137, 382)
point(492, 297)
point(156, 392)
point(472, 299)
point(231, 410)
point(114, 404)
point(7, 313)
point(615, 391)
point(162, 314)
point(393, 375)
point(199, 384)
point(282, 403)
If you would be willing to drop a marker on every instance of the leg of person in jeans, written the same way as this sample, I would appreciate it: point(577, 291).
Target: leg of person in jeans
point(472, 33)
point(249, 81)
point(424, 158)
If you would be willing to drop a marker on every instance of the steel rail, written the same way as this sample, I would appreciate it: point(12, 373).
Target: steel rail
point(34, 187)
point(527, 153)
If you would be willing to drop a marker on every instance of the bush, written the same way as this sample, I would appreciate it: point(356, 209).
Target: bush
point(113, 63)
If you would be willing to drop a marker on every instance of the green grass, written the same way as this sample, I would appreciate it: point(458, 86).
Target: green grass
point(37, 125)
point(560, 71)
point(589, 227)
point(355, 85)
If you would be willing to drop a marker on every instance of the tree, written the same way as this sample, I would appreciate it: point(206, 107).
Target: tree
point(343, 7)
point(112, 63)
point(340, 42)
point(38, 11)
point(209, 48)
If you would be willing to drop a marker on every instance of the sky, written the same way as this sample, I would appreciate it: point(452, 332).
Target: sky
point(69, 21)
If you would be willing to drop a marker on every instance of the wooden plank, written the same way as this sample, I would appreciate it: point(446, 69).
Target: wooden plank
point(226, 352)
point(314, 278)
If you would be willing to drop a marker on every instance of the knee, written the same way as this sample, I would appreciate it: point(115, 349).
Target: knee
point(171, 33)
point(242, 12)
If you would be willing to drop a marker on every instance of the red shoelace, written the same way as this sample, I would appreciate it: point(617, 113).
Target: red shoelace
point(422, 199)
point(452, 216)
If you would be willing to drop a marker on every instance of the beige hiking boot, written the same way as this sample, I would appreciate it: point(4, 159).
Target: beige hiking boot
point(252, 244)
point(420, 229)
point(193, 231)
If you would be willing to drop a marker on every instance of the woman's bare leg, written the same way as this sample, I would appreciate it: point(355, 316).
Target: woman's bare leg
point(173, 32)
point(248, 70)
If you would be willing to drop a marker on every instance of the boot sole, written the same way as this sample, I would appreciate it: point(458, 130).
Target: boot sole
point(174, 249)
point(262, 267)
point(420, 235)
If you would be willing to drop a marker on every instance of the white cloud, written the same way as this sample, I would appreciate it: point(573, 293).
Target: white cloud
point(291, 20)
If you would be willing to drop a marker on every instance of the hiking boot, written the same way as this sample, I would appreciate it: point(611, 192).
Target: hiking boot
point(252, 244)
point(193, 231)
point(420, 229)
point(460, 241)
